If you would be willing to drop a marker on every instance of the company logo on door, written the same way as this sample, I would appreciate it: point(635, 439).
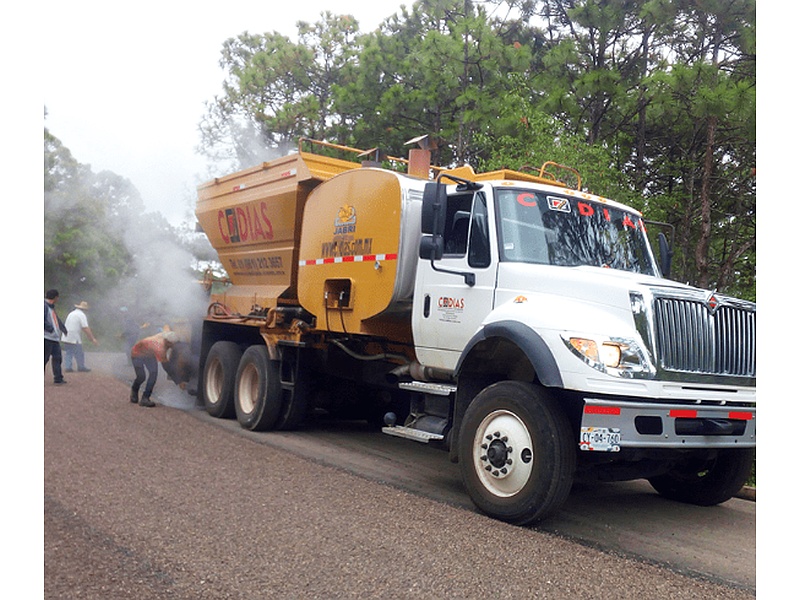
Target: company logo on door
point(455, 303)
point(450, 309)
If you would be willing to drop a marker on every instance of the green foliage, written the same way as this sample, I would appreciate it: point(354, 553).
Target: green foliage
point(101, 246)
point(82, 252)
point(653, 101)
point(438, 70)
point(526, 138)
point(278, 90)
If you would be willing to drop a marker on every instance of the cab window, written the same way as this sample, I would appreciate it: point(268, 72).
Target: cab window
point(466, 230)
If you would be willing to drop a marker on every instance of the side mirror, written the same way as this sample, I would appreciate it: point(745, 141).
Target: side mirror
point(431, 247)
point(434, 208)
point(432, 219)
point(665, 254)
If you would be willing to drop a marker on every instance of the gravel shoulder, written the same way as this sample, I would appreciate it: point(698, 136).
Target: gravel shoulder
point(155, 503)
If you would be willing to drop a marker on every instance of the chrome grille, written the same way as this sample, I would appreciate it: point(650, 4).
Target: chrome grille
point(691, 339)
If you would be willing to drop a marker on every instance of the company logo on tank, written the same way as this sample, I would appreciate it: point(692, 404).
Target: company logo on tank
point(345, 221)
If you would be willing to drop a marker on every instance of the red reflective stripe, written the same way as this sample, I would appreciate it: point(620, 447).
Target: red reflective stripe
point(349, 258)
point(590, 409)
point(742, 416)
point(683, 414)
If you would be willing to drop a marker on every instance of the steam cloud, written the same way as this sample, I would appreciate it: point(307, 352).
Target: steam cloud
point(161, 288)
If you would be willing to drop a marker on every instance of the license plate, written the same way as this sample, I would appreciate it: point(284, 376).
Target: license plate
point(600, 439)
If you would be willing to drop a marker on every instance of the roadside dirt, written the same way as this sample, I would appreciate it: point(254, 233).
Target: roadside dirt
point(156, 503)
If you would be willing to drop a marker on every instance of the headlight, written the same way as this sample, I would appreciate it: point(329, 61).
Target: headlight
point(615, 356)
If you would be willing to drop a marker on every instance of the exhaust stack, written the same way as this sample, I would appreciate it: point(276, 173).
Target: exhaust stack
point(419, 163)
point(419, 159)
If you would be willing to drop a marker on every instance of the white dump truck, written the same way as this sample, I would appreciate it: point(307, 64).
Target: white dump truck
point(520, 325)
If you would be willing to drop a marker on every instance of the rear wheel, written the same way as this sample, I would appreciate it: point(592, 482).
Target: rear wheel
point(298, 389)
point(258, 390)
point(707, 481)
point(296, 399)
point(219, 379)
point(516, 452)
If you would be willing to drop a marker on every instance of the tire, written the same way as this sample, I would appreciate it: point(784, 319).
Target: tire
point(258, 390)
point(295, 405)
point(296, 396)
point(707, 482)
point(219, 379)
point(518, 432)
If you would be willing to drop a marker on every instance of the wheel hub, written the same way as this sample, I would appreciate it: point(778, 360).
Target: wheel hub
point(503, 453)
point(497, 457)
point(498, 454)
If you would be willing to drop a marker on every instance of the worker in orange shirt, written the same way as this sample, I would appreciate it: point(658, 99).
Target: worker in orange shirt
point(145, 356)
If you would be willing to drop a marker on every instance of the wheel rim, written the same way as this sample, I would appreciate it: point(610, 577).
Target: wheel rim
point(248, 388)
point(213, 383)
point(503, 453)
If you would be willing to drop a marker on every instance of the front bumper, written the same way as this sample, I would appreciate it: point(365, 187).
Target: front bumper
point(609, 425)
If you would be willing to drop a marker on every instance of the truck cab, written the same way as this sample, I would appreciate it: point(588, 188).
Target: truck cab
point(534, 293)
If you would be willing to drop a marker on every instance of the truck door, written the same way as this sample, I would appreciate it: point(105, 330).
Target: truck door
point(447, 309)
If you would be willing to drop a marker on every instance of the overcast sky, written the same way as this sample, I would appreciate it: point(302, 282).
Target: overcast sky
point(124, 84)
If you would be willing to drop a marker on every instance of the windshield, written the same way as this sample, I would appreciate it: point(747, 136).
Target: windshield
point(546, 228)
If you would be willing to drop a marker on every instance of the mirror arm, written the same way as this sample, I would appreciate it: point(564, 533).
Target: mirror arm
point(469, 278)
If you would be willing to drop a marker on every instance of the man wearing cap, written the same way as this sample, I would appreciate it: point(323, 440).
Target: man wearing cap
point(145, 355)
point(76, 322)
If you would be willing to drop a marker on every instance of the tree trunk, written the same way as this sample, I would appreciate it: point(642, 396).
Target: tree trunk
point(704, 241)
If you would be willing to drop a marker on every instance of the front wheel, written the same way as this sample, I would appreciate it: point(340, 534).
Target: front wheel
point(707, 481)
point(516, 452)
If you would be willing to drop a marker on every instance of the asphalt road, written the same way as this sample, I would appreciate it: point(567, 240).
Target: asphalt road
point(168, 503)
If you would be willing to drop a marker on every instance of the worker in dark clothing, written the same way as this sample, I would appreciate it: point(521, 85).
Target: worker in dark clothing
point(53, 328)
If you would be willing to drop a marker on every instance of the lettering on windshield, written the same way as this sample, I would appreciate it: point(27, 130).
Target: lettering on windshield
point(585, 209)
point(542, 228)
